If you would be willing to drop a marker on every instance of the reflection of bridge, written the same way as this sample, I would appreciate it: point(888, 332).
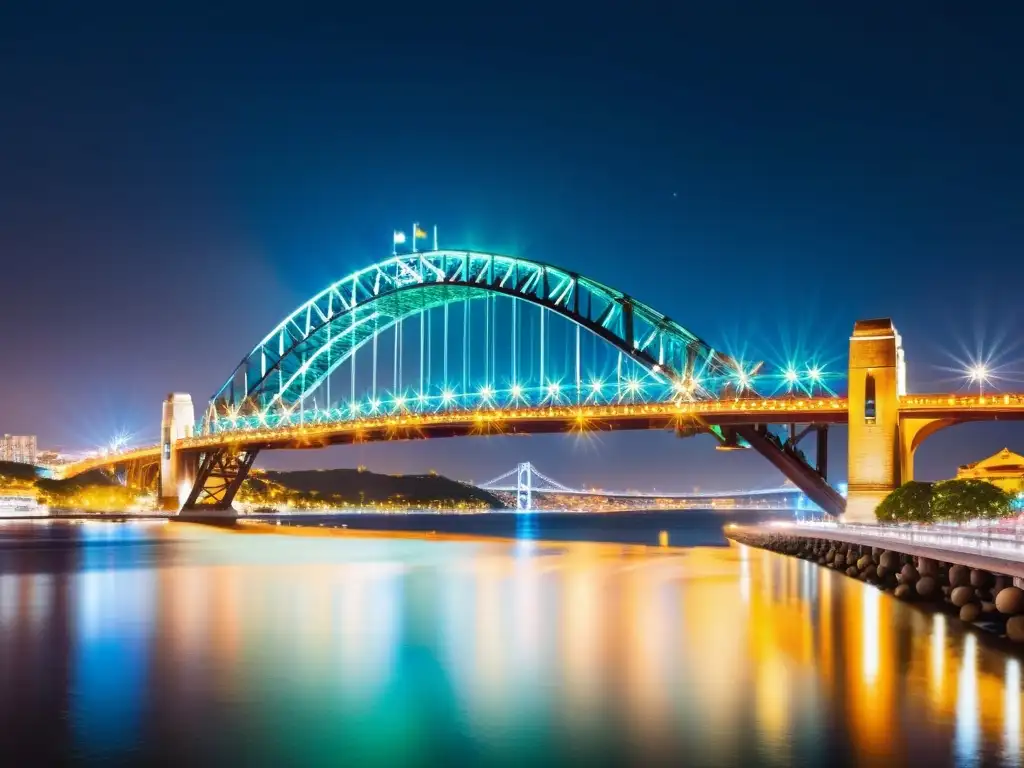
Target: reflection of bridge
point(463, 343)
point(530, 481)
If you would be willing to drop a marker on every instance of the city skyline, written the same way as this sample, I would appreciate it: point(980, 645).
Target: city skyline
point(171, 215)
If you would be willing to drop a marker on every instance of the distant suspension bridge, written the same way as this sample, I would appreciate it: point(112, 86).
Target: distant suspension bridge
point(524, 480)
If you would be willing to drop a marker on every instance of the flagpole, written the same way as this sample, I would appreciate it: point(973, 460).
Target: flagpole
point(414, 226)
point(435, 237)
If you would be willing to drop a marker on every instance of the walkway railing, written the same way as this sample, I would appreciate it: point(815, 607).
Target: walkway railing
point(1002, 538)
point(994, 401)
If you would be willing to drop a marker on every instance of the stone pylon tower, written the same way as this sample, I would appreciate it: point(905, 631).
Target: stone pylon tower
point(177, 471)
point(877, 379)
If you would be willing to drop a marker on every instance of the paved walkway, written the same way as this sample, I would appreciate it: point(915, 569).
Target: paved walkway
point(992, 549)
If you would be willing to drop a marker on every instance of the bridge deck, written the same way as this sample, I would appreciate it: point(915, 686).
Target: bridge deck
point(569, 418)
point(563, 418)
point(1000, 552)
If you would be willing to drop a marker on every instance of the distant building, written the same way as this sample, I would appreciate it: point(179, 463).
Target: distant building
point(51, 459)
point(20, 449)
point(1004, 470)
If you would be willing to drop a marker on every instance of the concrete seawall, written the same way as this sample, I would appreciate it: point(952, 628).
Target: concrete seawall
point(981, 586)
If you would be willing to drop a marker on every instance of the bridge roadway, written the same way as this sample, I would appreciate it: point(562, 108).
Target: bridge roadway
point(996, 549)
point(962, 407)
point(678, 416)
point(408, 425)
point(549, 419)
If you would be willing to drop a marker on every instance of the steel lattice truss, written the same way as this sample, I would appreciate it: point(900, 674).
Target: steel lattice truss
point(221, 473)
point(294, 359)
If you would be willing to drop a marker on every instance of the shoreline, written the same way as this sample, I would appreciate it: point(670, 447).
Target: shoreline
point(987, 599)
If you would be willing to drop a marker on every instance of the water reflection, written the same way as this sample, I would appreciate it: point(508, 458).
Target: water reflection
point(1011, 714)
point(967, 705)
point(270, 648)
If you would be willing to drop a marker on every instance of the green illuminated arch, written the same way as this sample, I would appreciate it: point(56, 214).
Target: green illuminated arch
point(295, 358)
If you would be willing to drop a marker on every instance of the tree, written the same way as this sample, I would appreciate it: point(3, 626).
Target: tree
point(957, 501)
point(910, 503)
point(13, 471)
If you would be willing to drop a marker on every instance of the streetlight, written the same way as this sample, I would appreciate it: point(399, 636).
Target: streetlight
point(814, 374)
point(979, 373)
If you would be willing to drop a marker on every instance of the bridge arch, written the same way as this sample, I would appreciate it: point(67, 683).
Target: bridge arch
point(298, 355)
point(915, 430)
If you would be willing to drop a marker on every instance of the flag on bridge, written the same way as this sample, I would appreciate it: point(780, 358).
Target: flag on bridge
point(418, 233)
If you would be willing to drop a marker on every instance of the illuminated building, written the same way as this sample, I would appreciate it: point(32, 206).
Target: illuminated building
point(1004, 469)
point(20, 449)
point(52, 458)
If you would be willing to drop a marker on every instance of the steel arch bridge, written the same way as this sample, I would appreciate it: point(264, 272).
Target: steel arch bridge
point(544, 378)
point(297, 357)
point(468, 343)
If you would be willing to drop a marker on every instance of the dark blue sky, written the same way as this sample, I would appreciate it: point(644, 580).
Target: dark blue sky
point(172, 182)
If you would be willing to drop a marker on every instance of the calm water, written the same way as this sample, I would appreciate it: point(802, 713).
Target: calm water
point(684, 529)
point(179, 644)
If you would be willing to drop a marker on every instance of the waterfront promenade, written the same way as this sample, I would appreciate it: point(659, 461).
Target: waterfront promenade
point(977, 570)
point(991, 548)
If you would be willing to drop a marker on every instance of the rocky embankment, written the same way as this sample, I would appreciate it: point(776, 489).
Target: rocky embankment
point(981, 597)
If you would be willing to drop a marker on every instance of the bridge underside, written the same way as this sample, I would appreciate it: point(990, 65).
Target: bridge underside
point(565, 419)
point(812, 480)
point(143, 475)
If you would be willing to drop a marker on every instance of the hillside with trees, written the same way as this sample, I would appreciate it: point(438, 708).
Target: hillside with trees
point(359, 487)
point(309, 489)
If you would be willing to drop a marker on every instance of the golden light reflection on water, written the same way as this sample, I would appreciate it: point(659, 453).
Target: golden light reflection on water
point(726, 656)
point(1011, 712)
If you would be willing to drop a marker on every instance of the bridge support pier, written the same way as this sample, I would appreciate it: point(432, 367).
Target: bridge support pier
point(877, 378)
point(811, 480)
point(221, 473)
point(821, 446)
point(177, 468)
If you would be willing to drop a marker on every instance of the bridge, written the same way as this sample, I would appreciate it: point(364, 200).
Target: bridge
point(530, 481)
point(450, 343)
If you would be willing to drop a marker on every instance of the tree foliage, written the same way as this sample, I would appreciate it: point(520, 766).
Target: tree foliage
point(957, 501)
point(953, 501)
point(12, 471)
point(910, 503)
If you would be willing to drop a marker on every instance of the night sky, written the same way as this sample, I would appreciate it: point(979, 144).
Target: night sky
point(173, 182)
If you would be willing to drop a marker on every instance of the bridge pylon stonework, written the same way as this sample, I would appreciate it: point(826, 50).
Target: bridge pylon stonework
point(876, 380)
point(177, 467)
